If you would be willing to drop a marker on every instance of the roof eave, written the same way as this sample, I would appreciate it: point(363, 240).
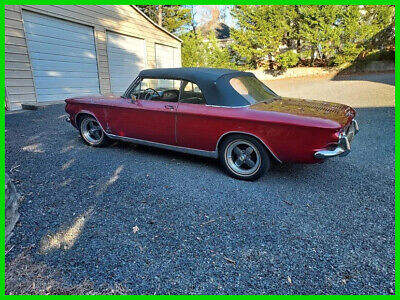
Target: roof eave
point(155, 24)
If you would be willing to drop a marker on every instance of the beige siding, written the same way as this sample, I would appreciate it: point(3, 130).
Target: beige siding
point(117, 18)
point(18, 73)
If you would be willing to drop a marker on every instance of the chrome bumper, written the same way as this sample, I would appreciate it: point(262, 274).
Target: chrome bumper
point(68, 120)
point(343, 146)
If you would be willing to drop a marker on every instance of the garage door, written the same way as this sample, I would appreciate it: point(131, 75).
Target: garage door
point(126, 58)
point(63, 57)
point(167, 57)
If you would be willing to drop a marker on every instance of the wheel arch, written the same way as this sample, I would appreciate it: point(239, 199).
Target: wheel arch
point(227, 134)
point(82, 113)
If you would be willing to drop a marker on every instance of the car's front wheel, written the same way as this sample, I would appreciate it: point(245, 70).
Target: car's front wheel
point(92, 133)
point(244, 157)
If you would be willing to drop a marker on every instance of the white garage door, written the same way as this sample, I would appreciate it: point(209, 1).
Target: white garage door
point(167, 57)
point(126, 58)
point(63, 57)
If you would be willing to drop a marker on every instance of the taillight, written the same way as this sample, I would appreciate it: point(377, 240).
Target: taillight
point(335, 136)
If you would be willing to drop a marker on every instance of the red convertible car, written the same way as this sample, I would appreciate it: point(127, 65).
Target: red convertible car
point(219, 113)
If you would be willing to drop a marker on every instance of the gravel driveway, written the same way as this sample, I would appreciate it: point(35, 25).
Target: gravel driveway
point(162, 222)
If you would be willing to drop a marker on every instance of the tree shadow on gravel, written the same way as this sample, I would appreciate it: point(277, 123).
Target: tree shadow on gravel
point(378, 77)
point(24, 276)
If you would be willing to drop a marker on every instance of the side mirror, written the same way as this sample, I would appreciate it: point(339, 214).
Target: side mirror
point(133, 98)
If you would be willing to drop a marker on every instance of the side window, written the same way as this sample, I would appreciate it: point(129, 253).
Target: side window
point(157, 90)
point(191, 93)
point(188, 87)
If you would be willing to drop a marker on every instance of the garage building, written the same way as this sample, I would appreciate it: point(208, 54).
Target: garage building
point(53, 52)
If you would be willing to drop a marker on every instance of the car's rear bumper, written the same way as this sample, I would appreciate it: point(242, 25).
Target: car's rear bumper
point(343, 146)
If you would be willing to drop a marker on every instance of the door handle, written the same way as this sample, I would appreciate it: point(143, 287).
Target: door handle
point(171, 107)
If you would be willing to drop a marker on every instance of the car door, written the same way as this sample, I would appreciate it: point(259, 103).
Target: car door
point(196, 128)
point(148, 117)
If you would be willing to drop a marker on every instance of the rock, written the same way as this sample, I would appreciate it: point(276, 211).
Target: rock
point(135, 229)
point(11, 207)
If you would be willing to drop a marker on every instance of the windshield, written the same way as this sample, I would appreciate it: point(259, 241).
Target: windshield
point(252, 89)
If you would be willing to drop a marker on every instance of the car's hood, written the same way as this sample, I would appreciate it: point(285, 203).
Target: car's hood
point(340, 113)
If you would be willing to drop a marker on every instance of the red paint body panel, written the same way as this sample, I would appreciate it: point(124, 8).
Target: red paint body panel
point(145, 120)
point(291, 136)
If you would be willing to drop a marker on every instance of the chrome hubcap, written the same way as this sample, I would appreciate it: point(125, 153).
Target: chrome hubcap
point(243, 158)
point(91, 130)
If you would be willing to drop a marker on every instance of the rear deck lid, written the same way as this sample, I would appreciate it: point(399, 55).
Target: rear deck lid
point(340, 113)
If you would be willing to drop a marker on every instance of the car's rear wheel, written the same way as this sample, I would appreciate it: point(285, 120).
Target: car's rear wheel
point(92, 133)
point(244, 157)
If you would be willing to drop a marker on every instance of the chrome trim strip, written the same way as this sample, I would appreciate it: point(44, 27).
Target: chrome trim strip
point(212, 154)
point(210, 105)
point(241, 132)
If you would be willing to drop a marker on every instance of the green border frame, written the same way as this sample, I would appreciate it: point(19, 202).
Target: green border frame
point(210, 2)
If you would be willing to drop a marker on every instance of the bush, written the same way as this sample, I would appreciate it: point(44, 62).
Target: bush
point(287, 59)
point(198, 51)
point(217, 56)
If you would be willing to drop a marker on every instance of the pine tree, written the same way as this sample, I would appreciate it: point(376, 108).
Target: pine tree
point(261, 30)
point(194, 51)
point(319, 29)
point(174, 18)
point(360, 28)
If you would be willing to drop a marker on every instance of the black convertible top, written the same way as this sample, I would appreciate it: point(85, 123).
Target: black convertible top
point(191, 74)
point(214, 83)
